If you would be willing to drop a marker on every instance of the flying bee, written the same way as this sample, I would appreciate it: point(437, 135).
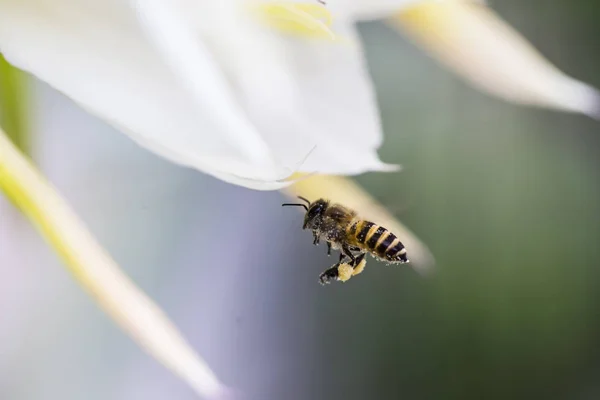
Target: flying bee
point(343, 230)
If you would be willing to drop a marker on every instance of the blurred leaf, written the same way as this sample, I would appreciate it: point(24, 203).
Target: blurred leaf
point(14, 102)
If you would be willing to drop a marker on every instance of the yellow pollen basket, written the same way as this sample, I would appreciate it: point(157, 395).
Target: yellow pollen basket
point(298, 19)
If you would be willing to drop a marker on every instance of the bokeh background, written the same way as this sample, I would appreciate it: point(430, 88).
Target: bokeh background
point(507, 198)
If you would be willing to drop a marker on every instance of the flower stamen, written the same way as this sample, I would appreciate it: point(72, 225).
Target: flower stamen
point(298, 19)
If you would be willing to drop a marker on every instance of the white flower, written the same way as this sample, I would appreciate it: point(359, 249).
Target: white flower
point(201, 84)
point(206, 84)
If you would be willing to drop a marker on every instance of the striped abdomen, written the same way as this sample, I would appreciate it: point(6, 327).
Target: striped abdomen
point(378, 241)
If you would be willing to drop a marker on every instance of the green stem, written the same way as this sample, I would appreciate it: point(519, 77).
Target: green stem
point(14, 104)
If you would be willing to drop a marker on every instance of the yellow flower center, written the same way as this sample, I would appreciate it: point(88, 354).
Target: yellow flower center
point(298, 19)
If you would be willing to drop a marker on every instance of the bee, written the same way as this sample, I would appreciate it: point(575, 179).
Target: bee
point(344, 230)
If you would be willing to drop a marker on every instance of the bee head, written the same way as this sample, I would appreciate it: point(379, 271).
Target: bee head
point(314, 214)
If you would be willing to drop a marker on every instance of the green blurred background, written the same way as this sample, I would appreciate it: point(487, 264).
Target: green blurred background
point(507, 198)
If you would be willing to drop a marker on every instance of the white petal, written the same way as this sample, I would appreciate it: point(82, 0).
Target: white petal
point(366, 9)
point(97, 55)
point(192, 62)
point(333, 115)
point(477, 44)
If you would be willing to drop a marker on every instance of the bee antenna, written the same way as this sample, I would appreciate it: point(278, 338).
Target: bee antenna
point(295, 204)
point(305, 199)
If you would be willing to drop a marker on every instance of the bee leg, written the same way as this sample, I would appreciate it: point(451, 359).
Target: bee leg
point(346, 251)
point(328, 248)
point(359, 258)
point(328, 275)
point(360, 263)
point(315, 239)
point(332, 273)
point(345, 272)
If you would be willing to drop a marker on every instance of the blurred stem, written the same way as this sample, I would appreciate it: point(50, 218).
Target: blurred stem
point(345, 191)
point(127, 305)
point(14, 102)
